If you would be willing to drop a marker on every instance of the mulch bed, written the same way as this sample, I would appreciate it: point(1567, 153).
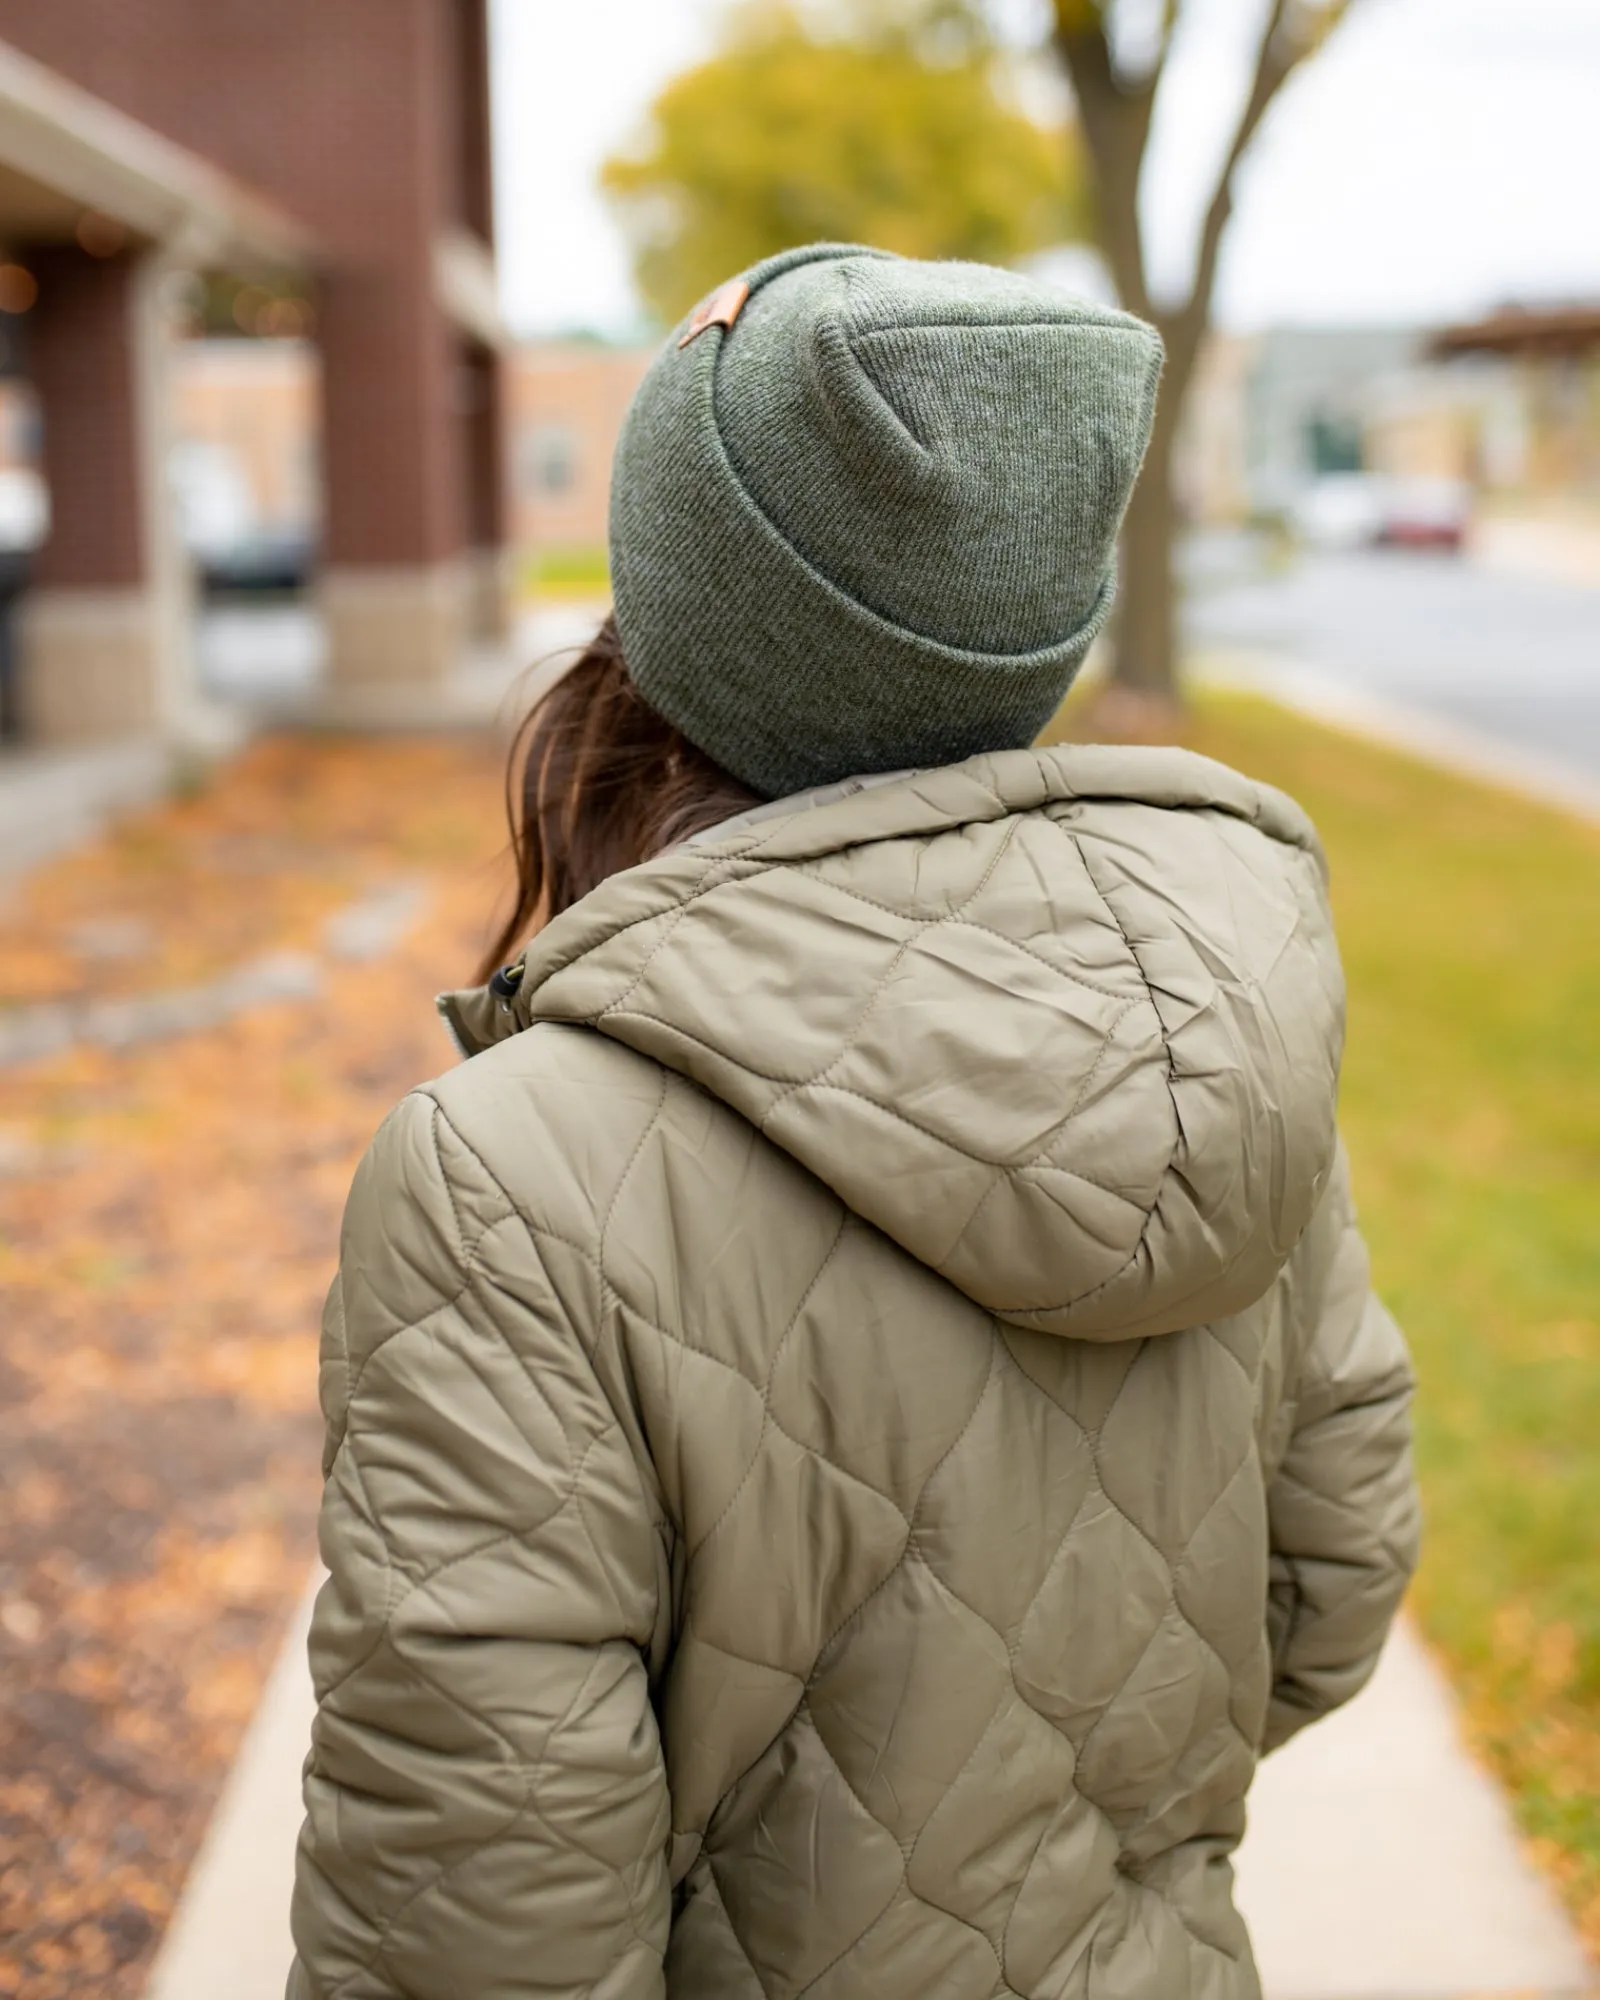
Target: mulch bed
point(168, 1225)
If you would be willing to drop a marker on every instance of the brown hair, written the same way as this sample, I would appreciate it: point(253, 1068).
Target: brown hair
point(598, 782)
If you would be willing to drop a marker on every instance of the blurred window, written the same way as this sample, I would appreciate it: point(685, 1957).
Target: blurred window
point(24, 509)
point(21, 426)
point(550, 459)
point(1335, 444)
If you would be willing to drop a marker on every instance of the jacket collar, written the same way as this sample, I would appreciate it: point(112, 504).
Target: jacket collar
point(854, 812)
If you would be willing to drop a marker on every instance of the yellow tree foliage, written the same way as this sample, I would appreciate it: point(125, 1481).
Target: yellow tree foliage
point(888, 124)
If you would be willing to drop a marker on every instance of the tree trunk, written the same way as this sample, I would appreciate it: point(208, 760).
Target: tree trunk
point(1144, 639)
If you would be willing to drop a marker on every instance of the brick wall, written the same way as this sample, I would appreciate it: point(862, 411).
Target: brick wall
point(83, 367)
point(349, 112)
point(367, 119)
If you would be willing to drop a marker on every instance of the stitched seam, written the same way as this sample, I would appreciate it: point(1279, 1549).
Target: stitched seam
point(766, 1396)
point(733, 1931)
point(444, 1304)
point(956, 921)
point(588, 1252)
point(393, 1605)
point(435, 1118)
point(622, 1179)
point(486, 1279)
point(814, 1082)
point(717, 870)
point(607, 1293)
point(723, 868)
point(1004, 1358)
point(1168, 1563)
point(1094, 1291)
point(906, 1855)
point(343, 1422)
point(799, 1443)
point(389, 1599)
point(469, 1254)
point(911, 1519)
point(537, 1229)
point(1216, 1339)
point(700, 1832)
point(1053, 1137)
point(1172, 1565)
point(530, 1778)
point(880, 986)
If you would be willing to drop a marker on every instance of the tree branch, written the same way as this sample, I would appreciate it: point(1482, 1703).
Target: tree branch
point(1116, 113)
point(1279, 55)
point(1116, 126)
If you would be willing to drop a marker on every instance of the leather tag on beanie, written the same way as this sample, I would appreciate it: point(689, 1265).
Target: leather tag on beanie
point(721, 309)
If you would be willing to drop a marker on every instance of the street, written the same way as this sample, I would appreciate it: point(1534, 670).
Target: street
point(1513, 658)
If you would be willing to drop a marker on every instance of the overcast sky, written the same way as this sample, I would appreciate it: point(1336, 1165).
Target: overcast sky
point(1441, 156)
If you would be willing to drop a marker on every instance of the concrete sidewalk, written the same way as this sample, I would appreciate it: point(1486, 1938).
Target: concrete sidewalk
point(1380, 1865)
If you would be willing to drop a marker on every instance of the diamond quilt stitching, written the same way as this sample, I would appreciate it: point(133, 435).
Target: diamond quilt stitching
point(881, 984)
point(443, 1874)
point(480, 1205)
point(904, 1884)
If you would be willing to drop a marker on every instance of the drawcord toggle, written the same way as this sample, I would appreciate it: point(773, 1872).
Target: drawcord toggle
point(505, 982)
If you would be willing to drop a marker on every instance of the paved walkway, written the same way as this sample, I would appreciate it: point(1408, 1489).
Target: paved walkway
point(52, 800)
point(1380, 1865)
point(260, 666)
point(1381, 1862)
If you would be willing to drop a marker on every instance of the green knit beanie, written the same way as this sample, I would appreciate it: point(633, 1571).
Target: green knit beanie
point(866, 518)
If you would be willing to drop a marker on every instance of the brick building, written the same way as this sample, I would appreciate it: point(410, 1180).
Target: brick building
point(340, 147)
point(254, 404)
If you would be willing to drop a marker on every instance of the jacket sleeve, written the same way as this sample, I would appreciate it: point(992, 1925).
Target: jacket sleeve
point(486, 1804)
point(1342, 1506)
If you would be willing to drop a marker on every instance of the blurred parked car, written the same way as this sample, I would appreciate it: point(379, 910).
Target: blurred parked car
point(1341, 510)
point(1363, 510)
point(1426, 514)
point(233, 550)
point(24, 523)
point(270, 559)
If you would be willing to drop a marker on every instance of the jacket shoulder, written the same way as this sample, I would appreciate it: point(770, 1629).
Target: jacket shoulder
point(553, 1115)
point(493, 1183)
point(604, 1149)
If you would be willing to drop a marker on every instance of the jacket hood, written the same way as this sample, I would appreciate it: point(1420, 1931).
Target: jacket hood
point(1066, 1025)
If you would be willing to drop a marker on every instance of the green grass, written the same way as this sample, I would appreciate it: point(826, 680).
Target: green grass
point(1470, 925)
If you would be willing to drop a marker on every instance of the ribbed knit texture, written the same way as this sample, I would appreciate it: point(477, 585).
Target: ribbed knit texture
point(873, 524)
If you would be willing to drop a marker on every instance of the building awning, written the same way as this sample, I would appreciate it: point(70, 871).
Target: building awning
point(467, 289)
point(1563, 330)
point(65, 152)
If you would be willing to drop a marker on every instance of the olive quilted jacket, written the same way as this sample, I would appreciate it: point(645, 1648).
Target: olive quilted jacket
point(856, 1420)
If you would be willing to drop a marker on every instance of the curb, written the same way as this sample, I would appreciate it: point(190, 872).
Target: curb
point(230, 1933)
point(1452, 746)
